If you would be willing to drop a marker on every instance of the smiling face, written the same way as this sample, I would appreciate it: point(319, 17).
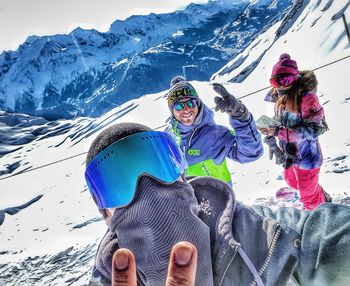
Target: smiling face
point(187, 115)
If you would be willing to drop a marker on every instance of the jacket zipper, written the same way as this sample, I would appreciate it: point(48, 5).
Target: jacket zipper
point(204, 168)
point(271, 250)
point(189, 141)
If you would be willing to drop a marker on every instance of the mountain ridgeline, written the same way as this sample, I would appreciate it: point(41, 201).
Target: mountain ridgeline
point(87, 73)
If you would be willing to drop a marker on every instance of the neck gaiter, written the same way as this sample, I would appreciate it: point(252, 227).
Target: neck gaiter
point(159, 216)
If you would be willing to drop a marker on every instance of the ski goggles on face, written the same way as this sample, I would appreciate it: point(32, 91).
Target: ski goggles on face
point(113, 174)
point(192, 103)
point(283, 80)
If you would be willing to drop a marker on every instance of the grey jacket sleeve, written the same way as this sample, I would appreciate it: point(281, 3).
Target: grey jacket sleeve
point(324, 257)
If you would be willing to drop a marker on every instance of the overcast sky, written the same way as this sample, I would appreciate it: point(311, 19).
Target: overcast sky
point(22, 18)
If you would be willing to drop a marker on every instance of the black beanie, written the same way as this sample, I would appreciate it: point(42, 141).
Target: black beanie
point(112, 134)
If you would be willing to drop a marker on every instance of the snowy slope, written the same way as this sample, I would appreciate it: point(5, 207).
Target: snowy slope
point(52, 241)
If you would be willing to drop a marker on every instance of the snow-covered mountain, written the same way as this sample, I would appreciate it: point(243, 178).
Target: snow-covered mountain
point(49, 225)
point(87, 73)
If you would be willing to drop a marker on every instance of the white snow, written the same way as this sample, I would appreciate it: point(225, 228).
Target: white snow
point(178, 33)
point(46, 227)
point(118, 63)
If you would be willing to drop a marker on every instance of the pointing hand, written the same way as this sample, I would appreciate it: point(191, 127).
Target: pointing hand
point(226, 102)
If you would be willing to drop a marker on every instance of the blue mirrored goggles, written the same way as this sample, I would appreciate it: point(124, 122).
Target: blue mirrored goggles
point(192, 103)
point(112, 175)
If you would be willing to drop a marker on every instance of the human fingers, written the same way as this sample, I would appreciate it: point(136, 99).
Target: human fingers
point(271, 131)
point(182, 265)
point(263, 131)
point(124, 268)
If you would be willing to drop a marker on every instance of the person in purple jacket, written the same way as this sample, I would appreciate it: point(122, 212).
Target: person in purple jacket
point(301, 120)
point(204, 143)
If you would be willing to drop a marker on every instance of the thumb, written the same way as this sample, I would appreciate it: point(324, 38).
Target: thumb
point(219, 102)
point(183, 265)
point(217, 99)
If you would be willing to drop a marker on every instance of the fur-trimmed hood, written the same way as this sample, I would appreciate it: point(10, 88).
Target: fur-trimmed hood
point(307, 82)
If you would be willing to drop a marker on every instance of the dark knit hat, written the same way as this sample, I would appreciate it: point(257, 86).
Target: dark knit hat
point(285, 65)
point(180, 88)
point(111, 135)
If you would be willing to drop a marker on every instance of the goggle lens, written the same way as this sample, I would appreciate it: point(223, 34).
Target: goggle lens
point(113, 174)
point(283, 80)
point(192, 103)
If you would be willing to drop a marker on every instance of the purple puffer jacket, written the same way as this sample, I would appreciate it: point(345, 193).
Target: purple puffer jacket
point(303, 126)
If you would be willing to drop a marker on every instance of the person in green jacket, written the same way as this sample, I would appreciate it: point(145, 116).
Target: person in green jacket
point(205, 144)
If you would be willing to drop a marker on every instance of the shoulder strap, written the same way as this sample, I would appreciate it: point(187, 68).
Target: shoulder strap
point(251, 267)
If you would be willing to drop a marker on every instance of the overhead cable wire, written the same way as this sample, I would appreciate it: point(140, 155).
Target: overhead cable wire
point(315, 69)
point(159, 127)
point(42, 166)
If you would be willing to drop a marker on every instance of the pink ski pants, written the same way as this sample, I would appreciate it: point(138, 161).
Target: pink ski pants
point(306, 182)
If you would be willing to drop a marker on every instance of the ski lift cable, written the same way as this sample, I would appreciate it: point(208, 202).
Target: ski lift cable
point(315, 69)
point(42, 166)
point(157, 128)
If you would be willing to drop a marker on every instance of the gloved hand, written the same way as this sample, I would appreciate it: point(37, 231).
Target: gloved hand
point(274, 149)
point(229, 104)
point(291, 154)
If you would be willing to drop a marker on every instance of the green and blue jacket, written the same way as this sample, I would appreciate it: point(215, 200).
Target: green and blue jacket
point(206, 145)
